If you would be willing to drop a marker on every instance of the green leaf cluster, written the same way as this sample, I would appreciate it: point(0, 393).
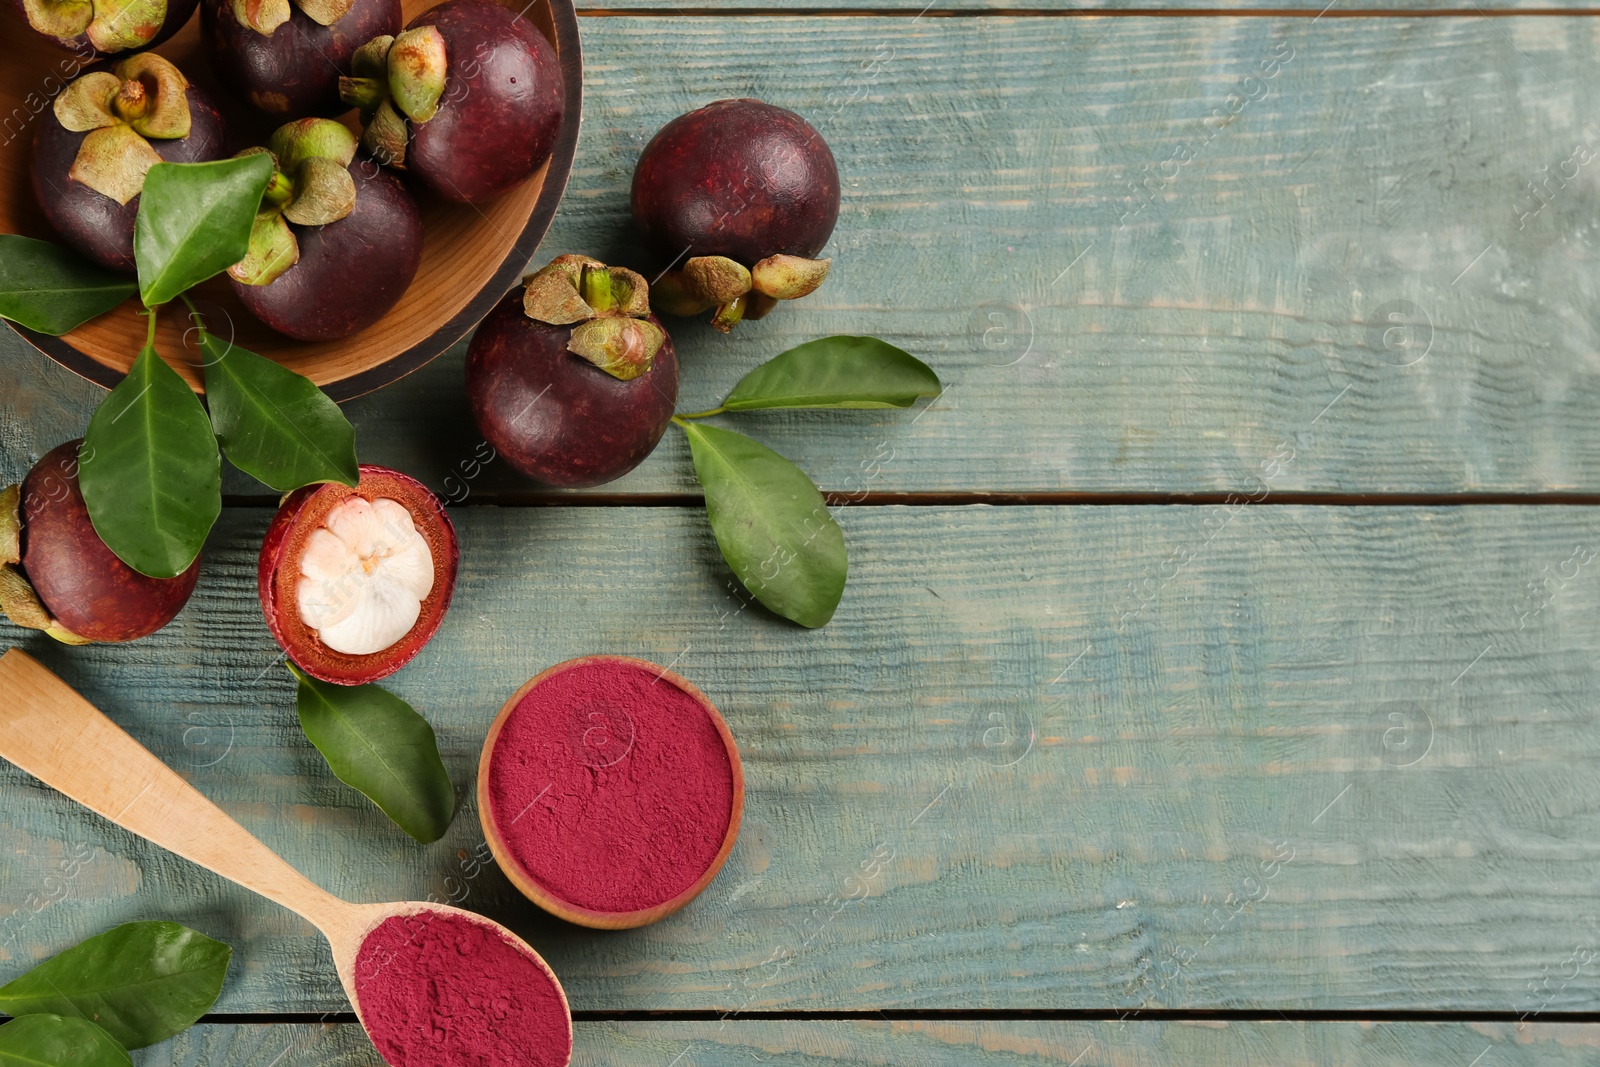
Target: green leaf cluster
point(134, 985)
point(151, 469)
point(772, 524)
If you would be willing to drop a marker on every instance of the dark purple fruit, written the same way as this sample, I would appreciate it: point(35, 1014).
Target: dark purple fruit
point(57, 575)
point(95, 223)
point(469, 99)
point(555, 414)
point(293, 69)
point(749, 193)
point(737, 178)
point(105, 27)
point(351, 272)
point(344, 244)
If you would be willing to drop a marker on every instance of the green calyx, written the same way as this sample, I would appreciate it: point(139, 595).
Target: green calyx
point(392, 79)
point(17, 597)
point(120, 111)
point(608, 307)
point(110, 25)
point(310, 186)
point(265, 16)
point(737, 293)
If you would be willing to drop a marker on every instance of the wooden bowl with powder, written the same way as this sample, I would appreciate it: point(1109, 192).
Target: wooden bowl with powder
point(610, 791)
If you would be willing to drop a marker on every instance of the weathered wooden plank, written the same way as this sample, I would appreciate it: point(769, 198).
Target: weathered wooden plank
point(1382, 171)
point(1097, 757)
point(1307, 9)
point(988, 1044)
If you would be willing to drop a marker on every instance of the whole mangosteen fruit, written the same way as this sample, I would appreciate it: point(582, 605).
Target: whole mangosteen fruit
point(286, 56)
point(354, 582)
point(56, 575)
point(468, 99)
point(94, 28)
point(749, 193)
point(572, 380)
point(336, 242)
point(102, 134)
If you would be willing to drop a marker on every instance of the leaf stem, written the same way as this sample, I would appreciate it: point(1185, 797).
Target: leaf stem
point(718, 410)
point(194, 312)
point(678, 420)
point(150, 329)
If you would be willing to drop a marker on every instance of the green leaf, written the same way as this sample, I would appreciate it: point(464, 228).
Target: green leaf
point(52, 289)
point(142, 982)
point(377, 744)
point(771, 523)
point(54, 1041)
point(149, 470)
point(274, 424)
point(194, 221)
point(836, 372)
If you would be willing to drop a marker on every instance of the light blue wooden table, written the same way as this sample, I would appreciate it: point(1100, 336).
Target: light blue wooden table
point(1167, 779)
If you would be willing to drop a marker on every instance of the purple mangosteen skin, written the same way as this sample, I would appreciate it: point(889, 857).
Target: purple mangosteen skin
point(350, 272)
point(294, 71)
point(178, 13)
point(92, 222)
point(555, 416)
point(502, 106)
point(737, 178)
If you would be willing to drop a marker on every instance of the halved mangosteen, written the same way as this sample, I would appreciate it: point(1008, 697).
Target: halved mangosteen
point(354, 582)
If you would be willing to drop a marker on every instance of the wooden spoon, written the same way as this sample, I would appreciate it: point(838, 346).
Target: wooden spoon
point(51, 732)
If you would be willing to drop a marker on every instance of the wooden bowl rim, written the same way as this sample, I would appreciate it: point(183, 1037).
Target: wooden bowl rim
point(566, 909)
point(569, 51)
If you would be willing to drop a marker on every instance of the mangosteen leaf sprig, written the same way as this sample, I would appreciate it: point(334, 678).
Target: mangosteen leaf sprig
point(149, 468)
point(274, 424)
point(380, 746)
point(52, 289)
point(771, 522)
point(141, 982)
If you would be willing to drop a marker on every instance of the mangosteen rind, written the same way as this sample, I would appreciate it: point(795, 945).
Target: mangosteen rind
point(553, 415)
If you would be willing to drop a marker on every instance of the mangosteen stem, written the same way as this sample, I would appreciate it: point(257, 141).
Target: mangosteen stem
point(194, 314)
point(363, 93)
point(718, 410)
point(677, 420)
point(131, 101)
point(595, 288)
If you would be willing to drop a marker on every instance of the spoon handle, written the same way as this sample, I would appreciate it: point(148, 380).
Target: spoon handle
point(51, 732)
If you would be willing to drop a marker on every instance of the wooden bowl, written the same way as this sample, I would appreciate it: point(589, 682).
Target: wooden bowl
point(512, 865)
point(471, 254)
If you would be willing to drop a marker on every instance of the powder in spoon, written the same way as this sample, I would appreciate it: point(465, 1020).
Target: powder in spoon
point(610, 785)
point(437, 989)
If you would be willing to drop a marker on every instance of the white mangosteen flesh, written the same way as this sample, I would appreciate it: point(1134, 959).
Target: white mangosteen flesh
point(363, 576)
